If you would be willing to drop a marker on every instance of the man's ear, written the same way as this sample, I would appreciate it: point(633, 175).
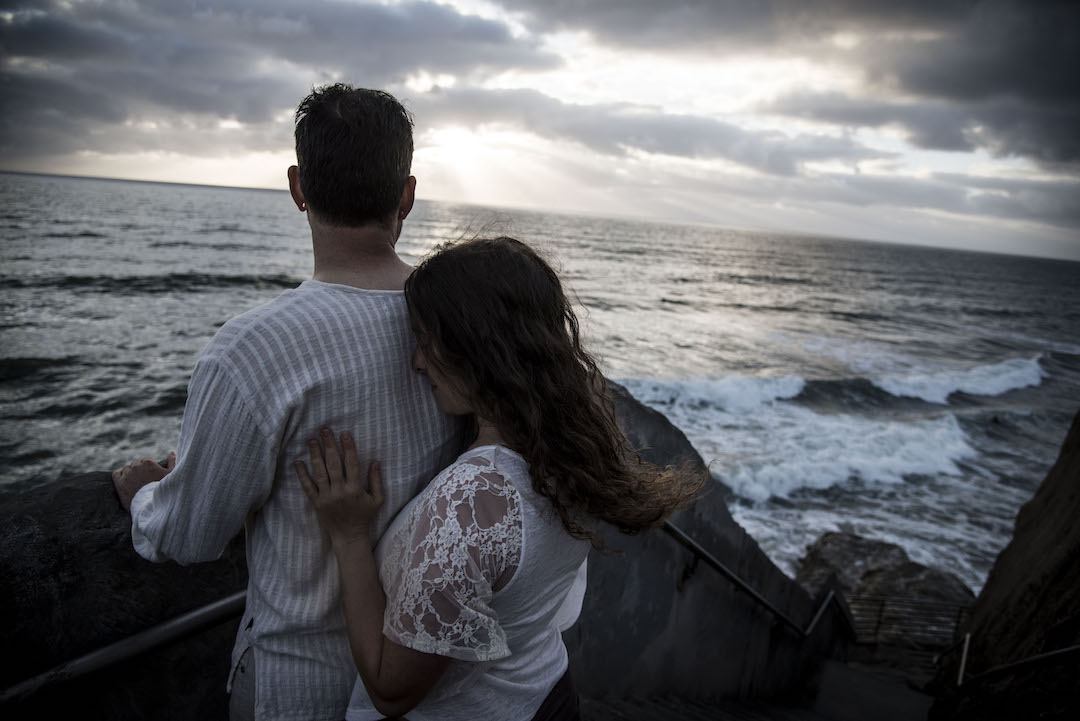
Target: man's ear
point(408, 197)
point(294, 188)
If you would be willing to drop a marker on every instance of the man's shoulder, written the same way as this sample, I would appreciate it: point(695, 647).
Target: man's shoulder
point(297, 312)
point(257, 322)
point(260, 315)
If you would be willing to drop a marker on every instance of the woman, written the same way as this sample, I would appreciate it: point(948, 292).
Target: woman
point(476, 567)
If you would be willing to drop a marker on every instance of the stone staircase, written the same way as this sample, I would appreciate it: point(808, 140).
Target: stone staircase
point(674, 709)
point(845, 692)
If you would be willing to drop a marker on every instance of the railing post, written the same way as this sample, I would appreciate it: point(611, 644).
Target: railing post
point(963, 661)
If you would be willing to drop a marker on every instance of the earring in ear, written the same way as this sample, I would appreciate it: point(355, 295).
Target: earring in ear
point(303, 206)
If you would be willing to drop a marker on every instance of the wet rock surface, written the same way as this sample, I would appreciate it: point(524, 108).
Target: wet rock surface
point(70, 583)
point(868, 567)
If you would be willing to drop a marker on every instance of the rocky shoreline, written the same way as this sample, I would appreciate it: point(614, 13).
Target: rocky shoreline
point(867, 567)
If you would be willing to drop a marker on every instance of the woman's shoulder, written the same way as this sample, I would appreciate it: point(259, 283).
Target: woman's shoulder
point(485, 466)
point(482, 482)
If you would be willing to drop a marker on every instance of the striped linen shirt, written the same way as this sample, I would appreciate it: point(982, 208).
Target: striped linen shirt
point(320, 354)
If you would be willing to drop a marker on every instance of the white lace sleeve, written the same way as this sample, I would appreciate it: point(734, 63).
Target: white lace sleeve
point(461, 542)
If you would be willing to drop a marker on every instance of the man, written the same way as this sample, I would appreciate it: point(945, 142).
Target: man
point(333, 352)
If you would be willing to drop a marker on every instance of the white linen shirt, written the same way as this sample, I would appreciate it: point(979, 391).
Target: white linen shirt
point(321, 354)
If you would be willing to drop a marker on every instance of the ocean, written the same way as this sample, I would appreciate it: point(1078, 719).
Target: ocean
point(909, 394)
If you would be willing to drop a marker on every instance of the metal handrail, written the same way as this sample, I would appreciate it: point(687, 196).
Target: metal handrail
point(679, 535)
point(183, 625)
point(1039, 657)
point(965, 641)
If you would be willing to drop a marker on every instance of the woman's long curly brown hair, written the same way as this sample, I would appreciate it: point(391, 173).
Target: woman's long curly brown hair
point(491, 312)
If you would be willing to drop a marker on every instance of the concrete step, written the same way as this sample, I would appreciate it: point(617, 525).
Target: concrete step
point(845, 693)
point(851, 692)
point(675, 709)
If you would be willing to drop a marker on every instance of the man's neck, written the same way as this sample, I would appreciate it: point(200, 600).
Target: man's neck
point(360, 257)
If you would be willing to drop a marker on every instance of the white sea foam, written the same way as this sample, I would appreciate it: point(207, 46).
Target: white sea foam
point(985, 380)
point(762, 446)
point(734, 394)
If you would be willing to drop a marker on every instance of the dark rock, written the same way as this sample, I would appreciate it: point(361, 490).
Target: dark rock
point(904, 611)
point(1029, 606)
point(70, 583)
point(846, 556)
point(867, 567)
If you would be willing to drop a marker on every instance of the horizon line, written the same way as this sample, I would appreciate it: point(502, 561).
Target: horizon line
point(640, 219)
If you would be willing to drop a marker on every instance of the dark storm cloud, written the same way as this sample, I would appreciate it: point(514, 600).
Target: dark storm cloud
point(930, 124)
point(617, 129)
point(646, 23)
point(1051, 203)
point(731, 25)
point(1008, 66)
point(71, 74)
point(1003, 126)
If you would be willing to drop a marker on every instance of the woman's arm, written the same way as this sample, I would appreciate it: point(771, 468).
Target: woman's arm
point(396, 677)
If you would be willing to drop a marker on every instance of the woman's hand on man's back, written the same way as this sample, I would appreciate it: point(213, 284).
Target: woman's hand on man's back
point(346, 503)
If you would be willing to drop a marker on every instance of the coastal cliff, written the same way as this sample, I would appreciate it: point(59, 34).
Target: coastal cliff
point(1030, 606)
point(656, 621)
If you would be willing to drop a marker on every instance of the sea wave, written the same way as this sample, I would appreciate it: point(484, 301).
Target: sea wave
point(202, 246)
point(140, 284)
point(80, 234)
point(19, 367)
point(761, 445)
point(229, 228)
point(803, 449)
point(732, 394)
point(935, 386)
point(1050, 344)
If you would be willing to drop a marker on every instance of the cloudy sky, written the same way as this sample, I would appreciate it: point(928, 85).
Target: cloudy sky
point(949, 122)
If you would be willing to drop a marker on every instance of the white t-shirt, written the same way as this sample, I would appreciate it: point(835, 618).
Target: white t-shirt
point(477, 568)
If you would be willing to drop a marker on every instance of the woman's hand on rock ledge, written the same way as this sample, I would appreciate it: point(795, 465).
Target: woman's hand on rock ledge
point(129, 479)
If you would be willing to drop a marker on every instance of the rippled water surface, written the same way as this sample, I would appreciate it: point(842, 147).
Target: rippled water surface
point(909, 394)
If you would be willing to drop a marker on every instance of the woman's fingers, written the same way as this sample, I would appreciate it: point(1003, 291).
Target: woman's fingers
point(375, 486)
point(352, 461)
point(331, 456)
point(337, 474)
point(305, 480)
point(318, 467)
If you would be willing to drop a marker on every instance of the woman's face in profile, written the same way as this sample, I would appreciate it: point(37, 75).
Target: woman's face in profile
point(448, 389)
